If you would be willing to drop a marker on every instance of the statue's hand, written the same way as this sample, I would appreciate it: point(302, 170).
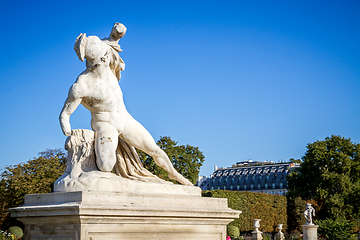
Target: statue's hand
point(67, 133)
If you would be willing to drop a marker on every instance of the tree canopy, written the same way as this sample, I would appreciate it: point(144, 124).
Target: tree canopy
point(186, 159)
point(35, 176)
point(329, 174)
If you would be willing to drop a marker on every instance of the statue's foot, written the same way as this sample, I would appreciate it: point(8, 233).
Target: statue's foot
point(178, 177)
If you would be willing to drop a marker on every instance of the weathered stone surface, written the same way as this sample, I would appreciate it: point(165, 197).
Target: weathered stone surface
point(310, 232)
point(114, 215)
point(81, 173)
point(117, 133)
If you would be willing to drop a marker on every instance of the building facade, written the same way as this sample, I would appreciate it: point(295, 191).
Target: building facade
point(264, 177)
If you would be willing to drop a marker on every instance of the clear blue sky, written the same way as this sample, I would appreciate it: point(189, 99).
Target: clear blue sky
point(239, 79)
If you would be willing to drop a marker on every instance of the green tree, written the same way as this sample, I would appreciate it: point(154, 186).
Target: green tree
point(186, 159)
point(293, 160)
point(36, 176)
point(295, 210)
point(330, 174)
point(339, 229)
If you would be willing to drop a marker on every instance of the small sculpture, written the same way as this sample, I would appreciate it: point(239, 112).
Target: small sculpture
point(256, 234)
point(116, 131)
point(280, 234)
point(256, 224)
point(309, 213)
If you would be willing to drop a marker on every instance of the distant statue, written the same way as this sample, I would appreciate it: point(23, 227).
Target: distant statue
point(309, 213)
point(280, 235)
point(117, 133)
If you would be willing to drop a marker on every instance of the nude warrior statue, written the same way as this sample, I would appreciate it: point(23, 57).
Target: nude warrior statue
point(309, 213)
point(97, 89)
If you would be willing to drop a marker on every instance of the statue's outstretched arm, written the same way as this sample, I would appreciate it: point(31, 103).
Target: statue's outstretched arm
point(70, 106)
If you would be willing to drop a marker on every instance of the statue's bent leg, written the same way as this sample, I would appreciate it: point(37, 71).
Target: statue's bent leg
point(137, 136)
point(106, 141)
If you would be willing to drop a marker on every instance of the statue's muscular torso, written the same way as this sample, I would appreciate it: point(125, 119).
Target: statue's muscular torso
point(103, 97)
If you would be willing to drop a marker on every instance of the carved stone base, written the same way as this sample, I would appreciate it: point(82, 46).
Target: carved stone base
point(279, 236)
point(256, 235)
point(113, 215)
point(310, 232)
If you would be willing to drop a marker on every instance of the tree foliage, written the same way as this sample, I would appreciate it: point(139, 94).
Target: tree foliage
point(36, 176)
point(295, 209)
point(186, 159)
point(339, 229)
point(330, 174)
point(271, 209)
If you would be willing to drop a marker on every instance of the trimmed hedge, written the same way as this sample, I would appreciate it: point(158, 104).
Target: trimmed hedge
point(271, 209)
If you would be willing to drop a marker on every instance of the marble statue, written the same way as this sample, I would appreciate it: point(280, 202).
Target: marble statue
point(280, 235)
point(256, 234)
point(116, 133)
point(309, 213)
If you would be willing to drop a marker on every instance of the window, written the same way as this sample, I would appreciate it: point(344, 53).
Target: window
point(272, 192)
point(252, 186)
point(281, 192)
point(259, 187)
point(273, 185)
point(231, 187)
point(212, 188)
point(218, 187)
point(224, 187)
point(266, 186)
point(213, 180)
point(244, 187)
point(281, 185)
point(238, 187)
point(226, 180)
point(232, 179)
point(267, 177)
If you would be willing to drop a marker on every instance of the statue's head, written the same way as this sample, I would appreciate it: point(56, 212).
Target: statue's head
point(93, 50)
point(90, 48)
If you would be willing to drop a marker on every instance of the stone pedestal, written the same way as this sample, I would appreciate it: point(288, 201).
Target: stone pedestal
point(95, 215)
point(256, 235)
point(279, 236)
point(310, 232)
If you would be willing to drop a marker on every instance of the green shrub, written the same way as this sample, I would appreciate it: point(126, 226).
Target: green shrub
point(233, 232)
point(295, 210)
point(17, 231)
point(271, 209)
point(339, 229)
point(266, 236)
